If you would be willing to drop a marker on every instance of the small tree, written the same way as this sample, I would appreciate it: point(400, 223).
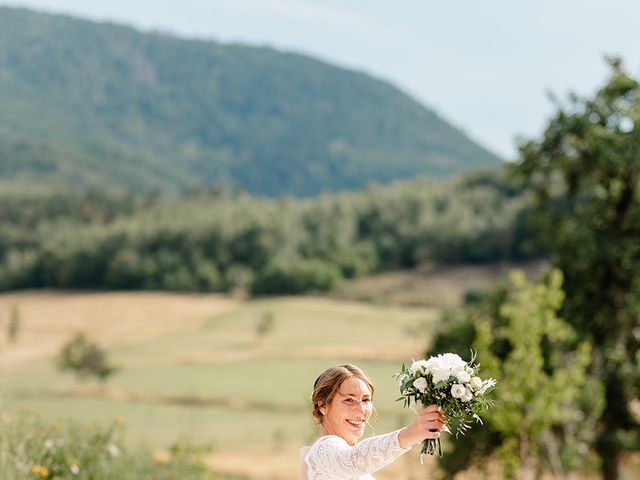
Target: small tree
point(538, 423)
point(539, 394)
point(85, 358)
point(15, 322)
point(266, 325)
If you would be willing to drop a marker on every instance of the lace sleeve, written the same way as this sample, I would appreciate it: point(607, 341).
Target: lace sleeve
point(332, 458)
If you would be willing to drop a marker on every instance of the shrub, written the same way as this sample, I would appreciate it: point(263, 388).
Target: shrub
point(33, 449)
point(85, 358)
point(297, 277)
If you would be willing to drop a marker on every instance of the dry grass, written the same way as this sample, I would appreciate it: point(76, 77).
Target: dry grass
point(433, 285)
point(48, 319)
point(190, 364)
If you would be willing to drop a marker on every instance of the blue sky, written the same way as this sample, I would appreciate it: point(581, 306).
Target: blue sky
point(484, 66)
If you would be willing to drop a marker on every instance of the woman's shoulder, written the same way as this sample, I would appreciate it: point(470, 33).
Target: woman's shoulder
point(329, 440)
point(322, 444)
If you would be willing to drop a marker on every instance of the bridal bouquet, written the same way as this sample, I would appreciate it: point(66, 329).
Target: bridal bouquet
point(451, 383)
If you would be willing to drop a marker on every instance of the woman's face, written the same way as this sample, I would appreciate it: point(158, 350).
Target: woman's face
point(348, 412)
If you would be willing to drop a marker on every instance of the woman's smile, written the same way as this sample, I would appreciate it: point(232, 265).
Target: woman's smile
point(348, 412)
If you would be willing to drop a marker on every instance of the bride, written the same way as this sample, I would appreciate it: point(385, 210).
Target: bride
point(342, 403)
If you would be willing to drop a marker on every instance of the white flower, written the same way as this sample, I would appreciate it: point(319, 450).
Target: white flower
point(432, 365)
point(463, 376)
point(476, 383)
point(48, 444)
point(457, 390)
point(441, 375)
point(420, 384)
point(418, 366)
point(113, 450)
point(467, 395)
point(75, 469)
point(488, 383)
point(452, 360)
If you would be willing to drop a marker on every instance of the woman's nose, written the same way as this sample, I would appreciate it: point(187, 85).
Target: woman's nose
point(361, 406)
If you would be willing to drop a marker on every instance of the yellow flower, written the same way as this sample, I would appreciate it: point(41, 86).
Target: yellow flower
point(118, 420)
point(74, 461)
point(40, 470)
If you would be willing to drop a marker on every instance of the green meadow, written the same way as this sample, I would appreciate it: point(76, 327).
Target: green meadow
point(221, 381)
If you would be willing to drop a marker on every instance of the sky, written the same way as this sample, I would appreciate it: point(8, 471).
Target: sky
point(487, 67)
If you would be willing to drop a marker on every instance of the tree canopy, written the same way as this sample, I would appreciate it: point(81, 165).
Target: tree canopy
point(585, 172)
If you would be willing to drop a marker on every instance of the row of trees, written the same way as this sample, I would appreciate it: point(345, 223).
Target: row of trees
point(567, 350)
point(219, 241)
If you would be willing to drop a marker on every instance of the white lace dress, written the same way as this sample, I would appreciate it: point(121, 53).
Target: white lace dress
point(332, 458)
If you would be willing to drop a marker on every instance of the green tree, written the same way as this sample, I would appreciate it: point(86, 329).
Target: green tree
point(266, 325)
point(536, 394)
point(585, 172)
point(85, 358)
point(15, 322)
point(538, 423)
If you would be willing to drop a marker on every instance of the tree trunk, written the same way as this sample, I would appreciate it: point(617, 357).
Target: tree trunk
point(610, 464)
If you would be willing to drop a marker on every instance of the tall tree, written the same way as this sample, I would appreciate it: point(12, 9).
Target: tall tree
point(585, 171)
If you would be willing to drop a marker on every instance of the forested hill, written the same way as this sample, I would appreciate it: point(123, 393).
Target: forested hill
point(103, 105)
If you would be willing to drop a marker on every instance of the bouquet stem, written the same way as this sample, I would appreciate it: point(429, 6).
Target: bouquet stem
point(431, 446)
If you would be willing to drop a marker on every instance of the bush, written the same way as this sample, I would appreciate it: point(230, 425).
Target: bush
point(297, 277)
point(33, 449)
point(85, 359)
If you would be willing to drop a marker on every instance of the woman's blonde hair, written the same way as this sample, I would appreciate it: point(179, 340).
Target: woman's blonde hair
point(327, 384)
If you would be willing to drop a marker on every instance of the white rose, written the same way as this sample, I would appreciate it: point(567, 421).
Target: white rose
point(440, 375)
point(452, 360)
point(420, 384)
point(463, 376)
point(476, 383)
point(417, 366)
point(457, 390)
point(467, 395)
point(433, 365)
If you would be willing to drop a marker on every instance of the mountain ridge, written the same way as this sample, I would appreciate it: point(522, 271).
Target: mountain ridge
point(178, 112)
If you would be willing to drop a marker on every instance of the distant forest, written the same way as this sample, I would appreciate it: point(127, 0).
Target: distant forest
point(220, 240)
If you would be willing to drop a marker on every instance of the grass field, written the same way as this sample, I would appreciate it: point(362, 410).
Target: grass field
point(194, 367)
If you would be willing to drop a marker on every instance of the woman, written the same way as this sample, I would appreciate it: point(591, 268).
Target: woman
point(342, 404)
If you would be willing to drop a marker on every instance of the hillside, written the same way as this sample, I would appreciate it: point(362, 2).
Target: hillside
point(103, 105)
